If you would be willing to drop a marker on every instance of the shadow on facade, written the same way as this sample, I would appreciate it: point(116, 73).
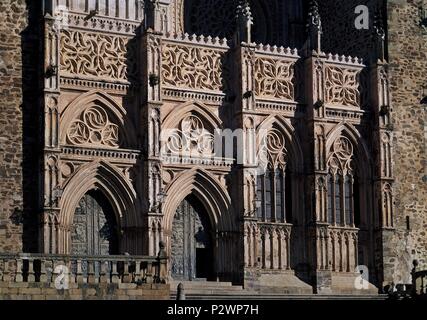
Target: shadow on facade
point(32, 135)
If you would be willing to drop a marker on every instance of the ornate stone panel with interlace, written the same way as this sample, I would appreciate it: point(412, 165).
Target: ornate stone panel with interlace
point(93, 128)
point(274, 78)
point(94, 55)
point(342, 86)
point(191, 139)
point(192, 68)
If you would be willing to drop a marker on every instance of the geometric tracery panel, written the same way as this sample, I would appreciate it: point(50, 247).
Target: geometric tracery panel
point(94, 127)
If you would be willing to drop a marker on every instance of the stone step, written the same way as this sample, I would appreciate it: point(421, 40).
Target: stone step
point(202, 283)
point(254, 296)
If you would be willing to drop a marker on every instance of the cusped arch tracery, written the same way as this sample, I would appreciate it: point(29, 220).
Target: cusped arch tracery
point(342, 140)
point(341, 156)
point(95, 128)
point(278, 145)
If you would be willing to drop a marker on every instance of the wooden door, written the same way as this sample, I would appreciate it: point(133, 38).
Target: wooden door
point(94, 230)
point(191, 245)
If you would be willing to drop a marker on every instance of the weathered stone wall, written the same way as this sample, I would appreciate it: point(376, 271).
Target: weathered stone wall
point(13, 20)
point(19, 124)
point(45, 291)
point(408, 66)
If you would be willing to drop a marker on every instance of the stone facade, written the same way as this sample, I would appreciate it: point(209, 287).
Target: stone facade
point(14, 21)
point(407, 50)
point(329, 165)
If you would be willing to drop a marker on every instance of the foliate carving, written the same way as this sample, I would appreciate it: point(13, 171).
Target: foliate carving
point(273, 78)
point(192, 67)
point(97, 55)
point(94, 128)
point(341, 156)
point(342, 86)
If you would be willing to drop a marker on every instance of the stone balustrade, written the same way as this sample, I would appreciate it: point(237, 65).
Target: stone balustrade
point(41, 268)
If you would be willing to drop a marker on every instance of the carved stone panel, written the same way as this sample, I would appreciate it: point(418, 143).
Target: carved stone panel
point(193, 68)
point(92, 55)
point(274, 79)
point(342, 86)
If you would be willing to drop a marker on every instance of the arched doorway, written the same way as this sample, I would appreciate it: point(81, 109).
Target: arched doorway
point(94, 230)
point(191, 242)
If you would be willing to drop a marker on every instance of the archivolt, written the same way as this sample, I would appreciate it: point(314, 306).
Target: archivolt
point(105, 177)
point(208, 190)
point(173, 119)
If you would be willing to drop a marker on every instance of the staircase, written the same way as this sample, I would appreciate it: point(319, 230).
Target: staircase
point(206, 290)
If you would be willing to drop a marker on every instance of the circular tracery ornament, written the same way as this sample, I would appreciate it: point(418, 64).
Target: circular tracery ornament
point(94, 127)
point(343, 148)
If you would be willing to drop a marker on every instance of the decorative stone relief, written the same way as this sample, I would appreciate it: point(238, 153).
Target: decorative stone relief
point(342, 86)
point(273, 79)
point(191, 139)
point(94, 128)
point(192, 68)
point(273, 150)
point(341, 156)
point(97, 55)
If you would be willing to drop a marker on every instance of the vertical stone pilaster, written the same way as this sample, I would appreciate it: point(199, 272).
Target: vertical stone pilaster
point(50, 234)
point(246, 171)
point(151, 103)
point(384, 178)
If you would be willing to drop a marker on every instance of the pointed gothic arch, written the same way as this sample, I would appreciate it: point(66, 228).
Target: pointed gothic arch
point(105, 112)
point(293, 144)
point(199, 109)
point(218, 209)
point(102, 176)
point(362, 155)
point(208, 190)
